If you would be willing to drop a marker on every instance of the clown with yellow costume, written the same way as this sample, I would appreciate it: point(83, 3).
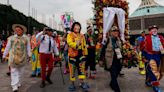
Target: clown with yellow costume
point(35, 62)
point(77, 51)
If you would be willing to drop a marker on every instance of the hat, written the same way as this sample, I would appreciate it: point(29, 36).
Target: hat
point(55, 33)
point(89, 28)
point(19, 25)
point(48, 29)
point(114, 28)
point(142, 31)
point(153, 26)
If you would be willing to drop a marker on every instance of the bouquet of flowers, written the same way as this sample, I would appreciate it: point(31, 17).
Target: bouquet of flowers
point(129, 55)
point(98, 11)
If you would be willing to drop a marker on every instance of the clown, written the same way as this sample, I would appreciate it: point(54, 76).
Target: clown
point(77, 50)
point(138, 42)
point(152, 47)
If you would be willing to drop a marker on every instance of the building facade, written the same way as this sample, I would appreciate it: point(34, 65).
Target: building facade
point(149, 13)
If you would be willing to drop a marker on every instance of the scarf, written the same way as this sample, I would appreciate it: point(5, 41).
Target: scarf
point(155, 43)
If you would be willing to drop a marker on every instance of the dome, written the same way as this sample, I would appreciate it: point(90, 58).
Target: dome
point(148, 11)
point(148, 7)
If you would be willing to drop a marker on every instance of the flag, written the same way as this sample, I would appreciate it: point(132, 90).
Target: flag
point(62, 17)
point(68, 17)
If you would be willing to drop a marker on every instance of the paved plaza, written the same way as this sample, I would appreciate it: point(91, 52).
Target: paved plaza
point(132, 81)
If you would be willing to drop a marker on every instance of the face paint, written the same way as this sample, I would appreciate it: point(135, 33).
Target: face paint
point(154, 31)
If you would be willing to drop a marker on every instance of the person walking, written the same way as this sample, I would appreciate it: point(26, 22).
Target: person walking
point(77, 52)
point(152, 47)
point(90, 62)
point(113, 57)
point(46, 49)
point(35, 62)
point(138, 43)
point(18, 47)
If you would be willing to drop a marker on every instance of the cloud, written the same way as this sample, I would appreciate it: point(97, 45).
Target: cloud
point(82, 9)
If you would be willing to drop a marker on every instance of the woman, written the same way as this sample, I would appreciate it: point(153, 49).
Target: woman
point(77, 52)
point(113, 58)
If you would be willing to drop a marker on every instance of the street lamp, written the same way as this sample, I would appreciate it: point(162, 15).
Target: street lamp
point(8, 2)
point(28, 24)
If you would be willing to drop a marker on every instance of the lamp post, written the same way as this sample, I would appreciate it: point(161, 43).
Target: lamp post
point(8, 2)
point(28, 24)
point(7, 23)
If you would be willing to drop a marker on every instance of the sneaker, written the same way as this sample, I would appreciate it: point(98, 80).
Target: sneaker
point(72, 88)
point(148, 84)
point(157, 89)
point(84, 86)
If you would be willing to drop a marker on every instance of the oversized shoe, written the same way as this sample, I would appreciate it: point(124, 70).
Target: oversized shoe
point(72, 87)
point(15, 89)
point(157, 89)
point(84, 86)
point(142, 72)
point(148, 84)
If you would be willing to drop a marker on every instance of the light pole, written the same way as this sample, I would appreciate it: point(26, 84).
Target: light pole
point(8, 2)
point(7, 27)
point(28, 24)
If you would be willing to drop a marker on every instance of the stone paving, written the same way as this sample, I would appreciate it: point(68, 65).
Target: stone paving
point(132, 81)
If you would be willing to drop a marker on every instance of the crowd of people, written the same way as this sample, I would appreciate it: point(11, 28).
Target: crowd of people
point(81, 52)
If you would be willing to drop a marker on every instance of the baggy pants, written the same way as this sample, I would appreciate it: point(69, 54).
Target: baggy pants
point(108, 20)
point(78, 63)
point(152, 68)
point(16, 76)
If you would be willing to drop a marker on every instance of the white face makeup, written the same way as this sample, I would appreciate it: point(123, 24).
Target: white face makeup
point(154, 31)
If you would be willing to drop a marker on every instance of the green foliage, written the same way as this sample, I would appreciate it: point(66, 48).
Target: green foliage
point(10, 16)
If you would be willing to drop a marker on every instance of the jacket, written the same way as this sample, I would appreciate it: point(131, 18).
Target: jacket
point(72, 45)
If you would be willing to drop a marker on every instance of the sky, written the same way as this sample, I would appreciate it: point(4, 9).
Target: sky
point(46, 9)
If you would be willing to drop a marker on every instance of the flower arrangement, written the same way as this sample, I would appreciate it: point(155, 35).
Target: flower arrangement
point(98, 10)
point(129, 55)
